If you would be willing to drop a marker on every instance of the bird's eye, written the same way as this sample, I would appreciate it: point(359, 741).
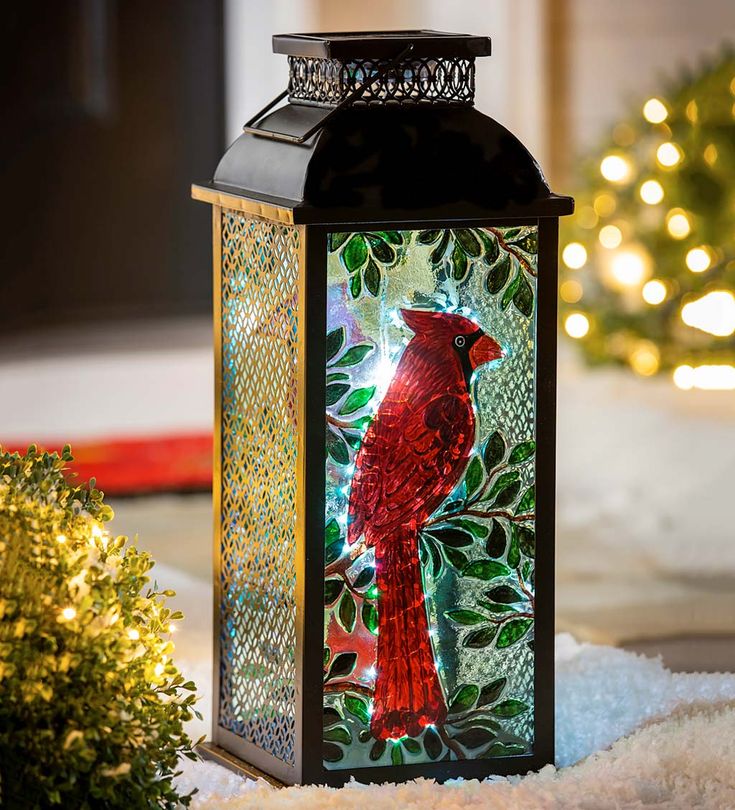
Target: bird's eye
point(459, 341)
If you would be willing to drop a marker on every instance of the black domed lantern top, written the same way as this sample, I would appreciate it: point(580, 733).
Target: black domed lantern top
point(385, 265)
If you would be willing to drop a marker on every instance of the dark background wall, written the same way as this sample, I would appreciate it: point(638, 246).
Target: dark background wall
point(109, 110)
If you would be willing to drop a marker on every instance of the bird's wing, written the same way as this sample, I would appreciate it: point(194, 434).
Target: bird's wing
point(410, 460)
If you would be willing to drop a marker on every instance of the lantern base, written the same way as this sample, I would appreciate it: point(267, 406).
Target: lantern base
point(214, 753)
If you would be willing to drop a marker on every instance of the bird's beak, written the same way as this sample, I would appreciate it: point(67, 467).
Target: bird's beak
point(484, 351)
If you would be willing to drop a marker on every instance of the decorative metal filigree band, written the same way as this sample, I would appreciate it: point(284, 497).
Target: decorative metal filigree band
point(434, 81)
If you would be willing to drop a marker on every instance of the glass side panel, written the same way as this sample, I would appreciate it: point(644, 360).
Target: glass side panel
point(429, 524)
point(258, 482)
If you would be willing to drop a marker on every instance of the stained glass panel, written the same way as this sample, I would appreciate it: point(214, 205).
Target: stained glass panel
point(430, 505)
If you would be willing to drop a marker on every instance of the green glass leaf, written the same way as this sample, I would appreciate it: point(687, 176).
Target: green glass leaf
point(510, 291)
point(428, 237)
point(364, 578)
point(337, 448)
point(456, 558)
point(338, 734)
point(347, 612)
point(460, 265)
point(509, 708)
point(509, 234)
point(331, 532)
point(335, 341)
point(332, 589)
point(504, 594)
point(527, 243)
point(473, 476)
point(494, 607)
point(432, 744)
point(490, 247)
point(359, 707)
point(411, 745)
point(474, 720)
point(372, 277)
point(456, 538)
point(496, 542)
point(434, 557)
point(335, 392)
point(342, 665)
point(355, 253)
point(491, 691)
point(326, 657)
point(475, 529)
point(438, 253)
point(365, 735)
point(331, 715)
point(464, 616)
point(336, 240)
point(474, 737)
point(494, 451)
point(356, 285)
point(359, 398)
point(464, 698)
point(394, 237)
point(522, 452)
point(396, 755)
point(370, 618)
point(527, 502)
point(523, 298)
point(499, 749)
point(338, 375)
point(469, 242)
point(514, 552)
point(331, 752)
point(502, 483)
point(478, 639)
point(513, 631)
point(498, 275)
point(486, 570)
point(527, 540)
point(354, 355)
point(377, 751)
point(382, 251)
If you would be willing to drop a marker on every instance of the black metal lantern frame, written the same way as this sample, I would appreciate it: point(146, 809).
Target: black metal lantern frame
point(378, 165)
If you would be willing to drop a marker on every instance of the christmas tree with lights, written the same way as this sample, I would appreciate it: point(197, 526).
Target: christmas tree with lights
point(648, 259)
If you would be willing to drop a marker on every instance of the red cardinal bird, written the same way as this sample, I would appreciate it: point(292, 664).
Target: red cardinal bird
point(411, 458)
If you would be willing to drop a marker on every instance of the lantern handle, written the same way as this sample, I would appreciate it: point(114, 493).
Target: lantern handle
point(251, 128)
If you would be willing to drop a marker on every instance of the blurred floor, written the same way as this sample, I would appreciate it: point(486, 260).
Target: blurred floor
point(645, 544)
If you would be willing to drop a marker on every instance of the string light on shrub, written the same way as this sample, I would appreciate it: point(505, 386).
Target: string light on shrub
point(651, 192)
point(713, 313)
point(610, 236)
point(628, 268)
point(654, 292)
point(616, 169)
point(604, 205)
point(133, 634)
point(68, 613)
point(705, 377)
point(668, 154)
point(571, 291)
point(678, 224)
point(61, 538)
point(577, 325)
point(645, 358)
point(654, 111)
point(698, 259)
point(574, 256)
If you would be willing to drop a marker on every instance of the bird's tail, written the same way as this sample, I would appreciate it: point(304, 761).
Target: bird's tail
point(408, 694)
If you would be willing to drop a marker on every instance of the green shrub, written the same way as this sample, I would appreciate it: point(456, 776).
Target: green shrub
point(91, 705)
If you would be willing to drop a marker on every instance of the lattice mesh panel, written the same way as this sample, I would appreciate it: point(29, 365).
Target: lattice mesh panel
point(328, 81)
point(258, 482)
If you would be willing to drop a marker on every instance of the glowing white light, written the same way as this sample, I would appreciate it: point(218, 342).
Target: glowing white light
point(610, 236)
point(668, 154)
point(628, 268)
point(698, 259)
point(346, 548)
point(68, 613)
point(371, 673)
point(133, 634)
point(61, 538)
point(574, 255)
point(577, 325)
point(654, 292)
point(713, 313)
point(654, 110)
point(158, 670)
point(615, 168)
point(383, 374)
point(652, 192)
point(706, 378)
point(677, 223)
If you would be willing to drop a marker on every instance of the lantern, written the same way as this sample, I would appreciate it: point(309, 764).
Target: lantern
point(385, 265)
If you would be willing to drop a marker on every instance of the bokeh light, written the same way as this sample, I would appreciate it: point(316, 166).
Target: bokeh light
point(652, 192)
point(610, 236)
point(574, 255)
point(615, 168)
point(654, 292)
point(698, 259)
point(577, 325)
point(654, 111)
point(668, 154)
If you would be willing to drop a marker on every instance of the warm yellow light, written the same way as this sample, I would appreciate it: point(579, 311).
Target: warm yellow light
point(133, 634)
point(604, 205)
point(158, 670)
point(615, 168)
point(654, 292)
point(61, 538)
point(692, 111)
point(68, 614)
point(732, 86)
point(698, 259)
point(713, 313)
point(172, 628)
point(677, 223)
point(623, 134)
point(668, 154)
point(610, 236)
point(570, 291)
point(586, 217)
point(654, 110)
point(706, 378)
point(577, 325)
point(574, 255)
point(710, 154)
point(644, 359)
point(96, 531)
point(652, 192)
point(628, 268)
